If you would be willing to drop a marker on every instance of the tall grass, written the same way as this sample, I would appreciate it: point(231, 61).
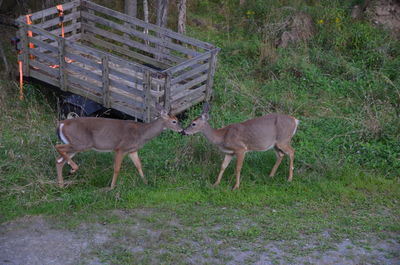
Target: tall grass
point(342, 85)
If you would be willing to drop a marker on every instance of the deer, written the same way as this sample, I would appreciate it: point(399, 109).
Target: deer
point(258, 134)
point(107, 135)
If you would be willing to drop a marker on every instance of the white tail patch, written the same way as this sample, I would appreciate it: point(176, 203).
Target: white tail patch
point(297, 124)
point(62, 136)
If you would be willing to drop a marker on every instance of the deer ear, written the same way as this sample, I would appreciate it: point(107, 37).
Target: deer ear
point(205, 116)
point(206, 107)
point(161, 110)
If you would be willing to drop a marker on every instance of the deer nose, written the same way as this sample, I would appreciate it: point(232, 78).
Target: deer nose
point(183, 132)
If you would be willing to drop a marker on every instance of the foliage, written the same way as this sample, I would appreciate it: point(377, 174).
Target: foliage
point(343, 86)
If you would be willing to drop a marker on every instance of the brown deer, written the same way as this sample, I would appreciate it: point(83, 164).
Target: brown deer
point(106, 135)
point(259, 134)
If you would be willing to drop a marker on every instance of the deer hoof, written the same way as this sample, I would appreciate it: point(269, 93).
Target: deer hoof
point(73, 170)
point(236, 187)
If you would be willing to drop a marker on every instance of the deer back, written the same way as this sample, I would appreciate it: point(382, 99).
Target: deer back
point(99, 133)
point(258, 134)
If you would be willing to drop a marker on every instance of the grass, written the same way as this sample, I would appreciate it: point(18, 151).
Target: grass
point(346, 182)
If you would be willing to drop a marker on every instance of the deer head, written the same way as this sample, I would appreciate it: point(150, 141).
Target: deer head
point(197, 124)
point(169, 121)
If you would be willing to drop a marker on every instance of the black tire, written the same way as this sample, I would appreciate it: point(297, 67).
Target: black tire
point(69, 111)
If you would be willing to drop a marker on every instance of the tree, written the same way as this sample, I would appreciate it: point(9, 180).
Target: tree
point(162, 13)
point(131, 8)
point(182, 17)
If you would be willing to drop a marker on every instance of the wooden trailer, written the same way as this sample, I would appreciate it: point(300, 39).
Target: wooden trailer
point(116, 60)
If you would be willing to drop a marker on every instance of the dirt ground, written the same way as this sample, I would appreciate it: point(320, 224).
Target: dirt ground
point(141, 237)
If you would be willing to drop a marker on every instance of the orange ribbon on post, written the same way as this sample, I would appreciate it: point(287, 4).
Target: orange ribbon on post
point(31, 45)
point(21, 81)
point(61, 15)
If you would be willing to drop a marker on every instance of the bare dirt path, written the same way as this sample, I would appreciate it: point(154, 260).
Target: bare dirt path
point(146, 236)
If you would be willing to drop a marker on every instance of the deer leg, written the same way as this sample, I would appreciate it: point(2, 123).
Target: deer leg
point(60, 162)
point(59, 165)
point(279, 156)
point(290, 152)
point(117, 165)
point(63, 150)
point(224, 165)
point(239, 164)
point(135, 158)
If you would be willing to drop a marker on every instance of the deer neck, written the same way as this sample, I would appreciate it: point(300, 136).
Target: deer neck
point(152, 129)
point(212, 135)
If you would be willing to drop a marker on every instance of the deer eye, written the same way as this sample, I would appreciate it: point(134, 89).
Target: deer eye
point(174, 121)
point(193, 124)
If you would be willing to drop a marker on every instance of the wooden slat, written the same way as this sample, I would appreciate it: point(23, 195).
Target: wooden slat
point(45, 68)
point(186, 93)
point(105, 81)
point(61, 68)
point(128, 110)
point(147, 95)
point(85, 86)
point(47, 57)
point(127, 88)
point(42, 14)
point(211, 71)
point(67, 29)
point(55, 21)
point(128, 41)
point(84, 49)
point(75, 37)
point(198, 70)
point(42, 32)
point(178, 107)
point(178, 87)
point(126, 76)
point(141, 23)
point(83, 72)
point(138, 34)
point(52, 10)
point(86, 61)
point(167, 92)
point(127, 52)
point(189, 63)
point(53, 48)
point(130, 101)
point(44, 78)
point(77, 89)
point(131, 65)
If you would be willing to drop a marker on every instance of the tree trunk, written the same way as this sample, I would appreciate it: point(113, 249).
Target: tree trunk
point(146, 17)
point(145, 11)
point(162, 13)
point(131, 8)
point(182, 17)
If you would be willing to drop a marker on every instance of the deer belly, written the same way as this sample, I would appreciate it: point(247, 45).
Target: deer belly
point(102, 150)
point(262, 147)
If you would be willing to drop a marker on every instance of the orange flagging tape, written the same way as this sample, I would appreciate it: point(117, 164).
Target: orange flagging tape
point(21, 81)
point(29, 22)
point(61, 14)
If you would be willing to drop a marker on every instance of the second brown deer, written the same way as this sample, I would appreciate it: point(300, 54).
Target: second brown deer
point(106, 135)
point(259, 134)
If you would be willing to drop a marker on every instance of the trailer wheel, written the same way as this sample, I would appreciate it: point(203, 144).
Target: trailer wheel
point(69, 111)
